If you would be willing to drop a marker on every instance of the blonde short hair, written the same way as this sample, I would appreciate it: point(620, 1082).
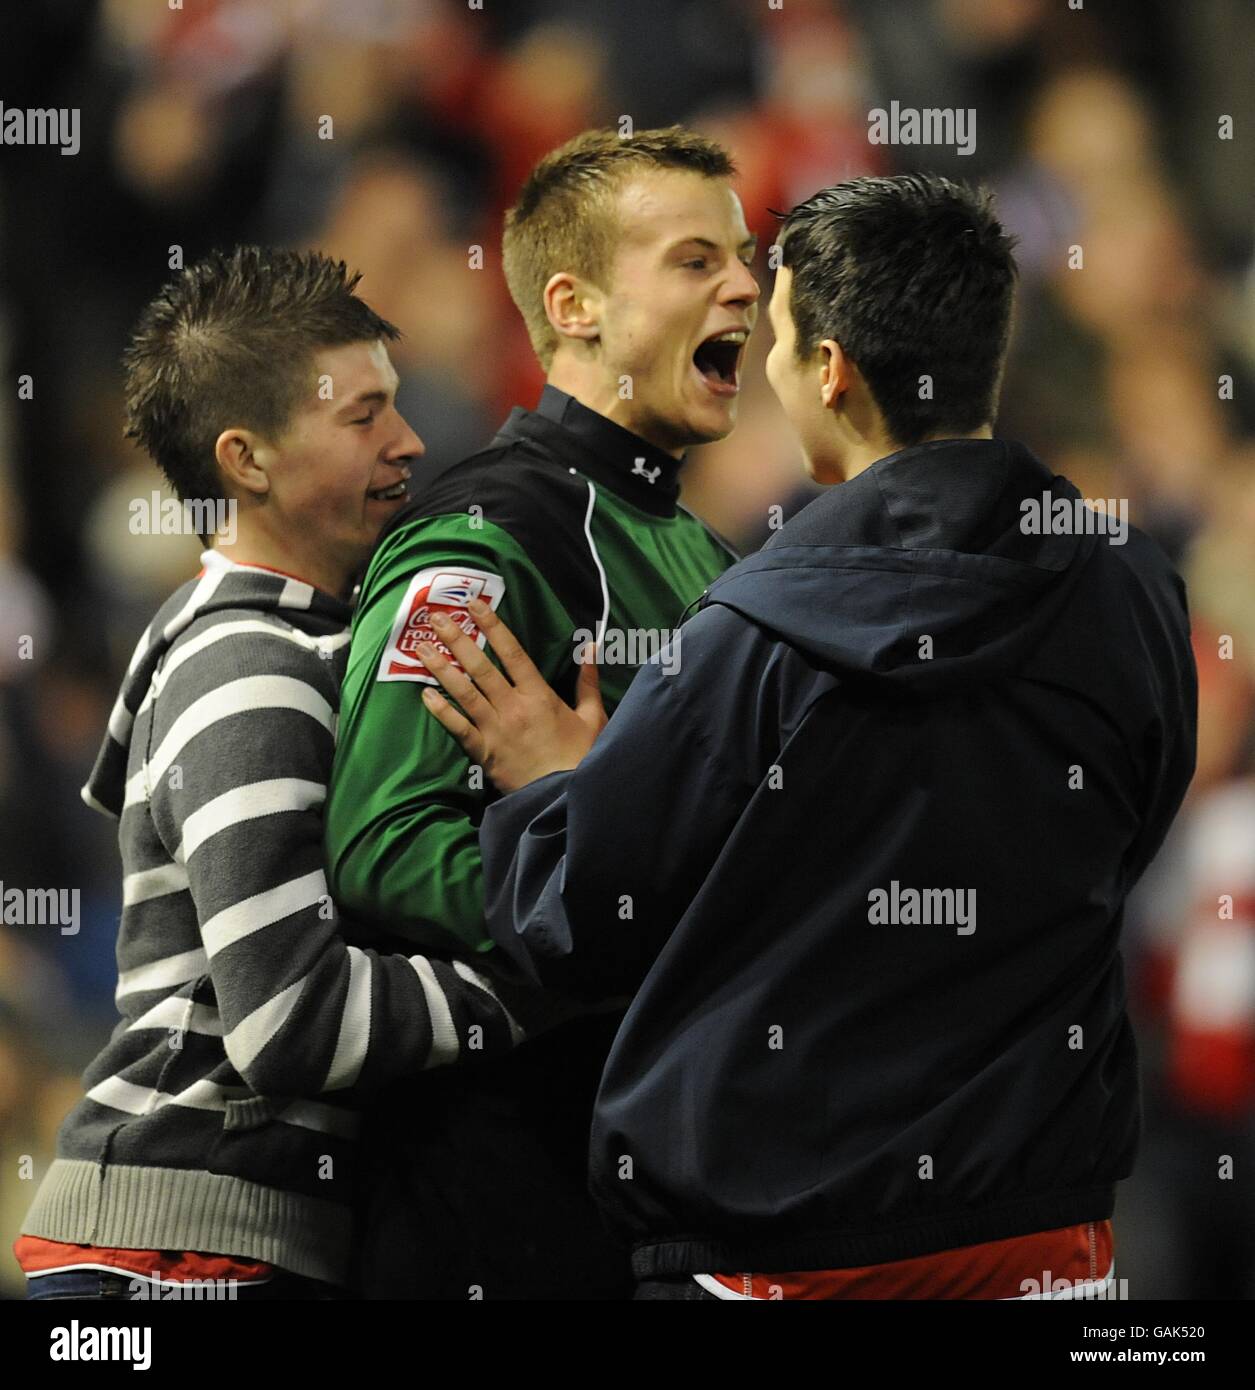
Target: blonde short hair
point(562, 219)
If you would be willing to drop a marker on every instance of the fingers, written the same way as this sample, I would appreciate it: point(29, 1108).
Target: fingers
point(462, 729)
point(456, 683)
point(518, 665)
point(588, 702)
point(473, 661)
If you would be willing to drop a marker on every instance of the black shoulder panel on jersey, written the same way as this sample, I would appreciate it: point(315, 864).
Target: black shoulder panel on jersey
point(540, 503)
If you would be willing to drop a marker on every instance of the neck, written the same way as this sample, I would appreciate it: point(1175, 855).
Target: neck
point(302, 559)
point(584, 379)
point(864, 452)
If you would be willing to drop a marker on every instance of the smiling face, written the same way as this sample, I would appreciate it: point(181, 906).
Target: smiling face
point(680, 302)
point(338, 473)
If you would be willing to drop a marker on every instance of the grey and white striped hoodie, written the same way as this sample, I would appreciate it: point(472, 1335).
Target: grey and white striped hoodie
point(221, 1116)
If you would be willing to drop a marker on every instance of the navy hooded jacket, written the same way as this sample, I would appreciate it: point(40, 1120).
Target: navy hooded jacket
point(830, 1060)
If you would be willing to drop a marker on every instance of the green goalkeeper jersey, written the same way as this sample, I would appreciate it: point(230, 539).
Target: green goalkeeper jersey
point(568, 526)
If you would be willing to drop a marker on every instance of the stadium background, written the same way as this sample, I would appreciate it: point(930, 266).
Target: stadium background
point(1098, 127)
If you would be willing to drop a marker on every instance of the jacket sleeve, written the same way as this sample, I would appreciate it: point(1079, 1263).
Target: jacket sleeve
point(1169, 745)
point(587, 872)
point(235, 779)
point(402, 845)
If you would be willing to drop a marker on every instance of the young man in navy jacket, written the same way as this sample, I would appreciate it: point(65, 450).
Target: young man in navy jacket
point(861, 847)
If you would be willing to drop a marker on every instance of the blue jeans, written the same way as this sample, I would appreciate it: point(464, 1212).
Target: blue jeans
point(102, 1285)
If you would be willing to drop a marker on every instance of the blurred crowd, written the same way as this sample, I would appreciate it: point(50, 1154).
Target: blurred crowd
point(1132, 372)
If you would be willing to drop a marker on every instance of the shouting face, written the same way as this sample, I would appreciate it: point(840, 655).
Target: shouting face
point(680, 302)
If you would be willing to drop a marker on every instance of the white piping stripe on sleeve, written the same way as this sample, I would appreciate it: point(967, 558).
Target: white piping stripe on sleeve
point(245, 1041)
point(235, 697)
point(163, 974)
point(241, 919)
point(180, 1014)
point(445, 1045)
point(473, 977)
point(354, 1036)
point(153, 883)
point(592, 545)
point(268, 798)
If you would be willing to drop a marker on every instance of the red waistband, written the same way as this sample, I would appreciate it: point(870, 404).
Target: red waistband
point(1045, 1262)
point(39, 1256)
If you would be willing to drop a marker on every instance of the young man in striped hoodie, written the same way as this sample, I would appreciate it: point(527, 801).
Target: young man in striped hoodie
point(216, 1138)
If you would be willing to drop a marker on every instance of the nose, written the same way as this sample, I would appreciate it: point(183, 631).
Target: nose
point(742, 287)
point(406, 445)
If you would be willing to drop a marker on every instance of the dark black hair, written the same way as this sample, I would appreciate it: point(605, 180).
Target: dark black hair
point(914, 276)
point(230, 341)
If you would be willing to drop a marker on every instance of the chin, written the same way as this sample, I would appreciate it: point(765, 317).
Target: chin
point(714, 428)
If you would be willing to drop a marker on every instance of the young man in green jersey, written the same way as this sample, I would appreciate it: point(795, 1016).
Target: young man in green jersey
point(629, 259)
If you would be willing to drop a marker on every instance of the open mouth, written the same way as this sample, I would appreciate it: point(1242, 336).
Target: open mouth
point(718, 361)
point(389, 494)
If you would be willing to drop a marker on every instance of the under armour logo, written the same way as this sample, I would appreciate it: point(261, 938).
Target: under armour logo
point(649, 474)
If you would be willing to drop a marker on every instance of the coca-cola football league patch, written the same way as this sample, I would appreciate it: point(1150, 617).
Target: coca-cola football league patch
point(440, 589)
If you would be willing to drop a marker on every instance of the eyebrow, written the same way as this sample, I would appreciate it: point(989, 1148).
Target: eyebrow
point(749, 244)
point(364, 398)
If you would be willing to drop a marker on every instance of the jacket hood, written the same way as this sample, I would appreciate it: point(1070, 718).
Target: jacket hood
point(926, 543)
point(221, 586)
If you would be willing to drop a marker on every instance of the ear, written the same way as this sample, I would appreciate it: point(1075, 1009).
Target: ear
point(244, 460)
point(573, 307)
point(836, 373)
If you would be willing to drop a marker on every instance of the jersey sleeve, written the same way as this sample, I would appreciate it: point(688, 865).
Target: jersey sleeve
point(402, 819)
